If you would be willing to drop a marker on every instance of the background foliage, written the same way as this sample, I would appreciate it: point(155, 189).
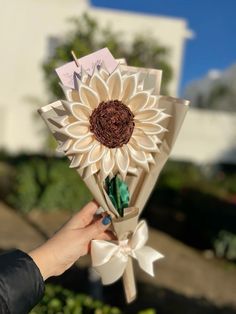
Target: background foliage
point(58, 300)
point(193, 204)
point(45, 183)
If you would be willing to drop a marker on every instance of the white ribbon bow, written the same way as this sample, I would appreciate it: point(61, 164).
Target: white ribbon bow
point(110, 259)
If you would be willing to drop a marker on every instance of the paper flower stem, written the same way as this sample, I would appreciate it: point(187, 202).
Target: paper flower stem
point(129, 282)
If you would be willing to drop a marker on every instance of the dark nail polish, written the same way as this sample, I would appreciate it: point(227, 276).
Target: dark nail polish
point(106, 220)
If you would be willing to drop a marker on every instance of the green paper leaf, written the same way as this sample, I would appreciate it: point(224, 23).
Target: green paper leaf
point(118, 193)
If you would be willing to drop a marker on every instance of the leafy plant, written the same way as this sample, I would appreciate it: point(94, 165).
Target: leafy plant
point(48, 184)
point(58, 300)
point(225, 245)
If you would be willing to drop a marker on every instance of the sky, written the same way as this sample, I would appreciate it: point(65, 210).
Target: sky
point(212, 21)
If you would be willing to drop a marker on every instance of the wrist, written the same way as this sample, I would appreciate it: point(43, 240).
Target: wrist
point(44, 261)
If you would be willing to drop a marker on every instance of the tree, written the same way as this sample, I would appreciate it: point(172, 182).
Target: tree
point(87, 36)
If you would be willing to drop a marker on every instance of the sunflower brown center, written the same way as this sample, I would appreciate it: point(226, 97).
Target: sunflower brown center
point(112, 123)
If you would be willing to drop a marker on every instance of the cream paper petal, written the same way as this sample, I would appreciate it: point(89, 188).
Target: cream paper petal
point(75, 95)
point(156, 139)
point(114, 84)
point(83, 144)
point(84, 77)
point(146, 115)
point(100, 87)
point(66, 105)
point(138, 156)
point(96, 153)
point(95, 70)
point(90, 170)
point(129, 87)
point(149, 128)
point(108, 162)
point(151, 102)
point(144, 141)
point(150, 90)
point(71, 94)
point(133, 170)
point(76, 160)
point(160, 117)
point(81, 78)
point(124, 75)
point(140, 86)
point(103, 72)
point(156, 104)
point(122, 161)
point(138, 101)
point(150, 158)
point(77, 129)
point(88, 97)
point(133, 143)
point(77, 81)
point(80, 111)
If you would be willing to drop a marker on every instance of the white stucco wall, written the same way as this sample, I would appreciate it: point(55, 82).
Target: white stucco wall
point(207, 137)
point(169, 32)
point(25, 27)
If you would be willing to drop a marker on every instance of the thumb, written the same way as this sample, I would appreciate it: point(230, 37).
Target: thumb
point(98, 227)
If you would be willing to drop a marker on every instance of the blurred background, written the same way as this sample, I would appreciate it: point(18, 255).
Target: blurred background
point(192, 211)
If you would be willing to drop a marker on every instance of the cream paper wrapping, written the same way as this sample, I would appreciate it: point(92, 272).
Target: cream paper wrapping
point(141, 185)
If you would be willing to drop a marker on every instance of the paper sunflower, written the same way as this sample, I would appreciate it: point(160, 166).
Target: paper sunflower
point(110, 123)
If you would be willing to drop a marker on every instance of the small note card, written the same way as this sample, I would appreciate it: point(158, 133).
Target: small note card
point(67, 71)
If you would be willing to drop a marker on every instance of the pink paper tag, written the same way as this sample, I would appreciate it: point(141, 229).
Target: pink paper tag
point(66, 72)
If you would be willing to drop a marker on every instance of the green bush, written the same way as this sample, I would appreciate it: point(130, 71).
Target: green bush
point(58, 300)
point(179, 175)
point(225, 245)
point(48, 184)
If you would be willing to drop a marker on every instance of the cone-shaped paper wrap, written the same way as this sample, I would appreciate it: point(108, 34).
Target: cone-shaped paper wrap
point(111, 124)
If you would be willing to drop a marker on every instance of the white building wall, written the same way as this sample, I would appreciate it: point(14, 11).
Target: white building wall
point(25, 28)
point(207, 137)
point(169, 32)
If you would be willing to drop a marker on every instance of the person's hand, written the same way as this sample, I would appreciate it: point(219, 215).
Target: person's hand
point(72, 241)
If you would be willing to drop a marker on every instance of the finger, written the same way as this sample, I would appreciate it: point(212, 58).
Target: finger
point(95, 229)
point(106, 236)
point(84, 217)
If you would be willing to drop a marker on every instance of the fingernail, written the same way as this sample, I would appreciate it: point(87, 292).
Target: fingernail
point(106, 220)
point(100, 210)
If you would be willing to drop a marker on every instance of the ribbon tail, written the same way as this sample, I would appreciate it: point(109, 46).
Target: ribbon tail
point(112, 270)
point(146, 256)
